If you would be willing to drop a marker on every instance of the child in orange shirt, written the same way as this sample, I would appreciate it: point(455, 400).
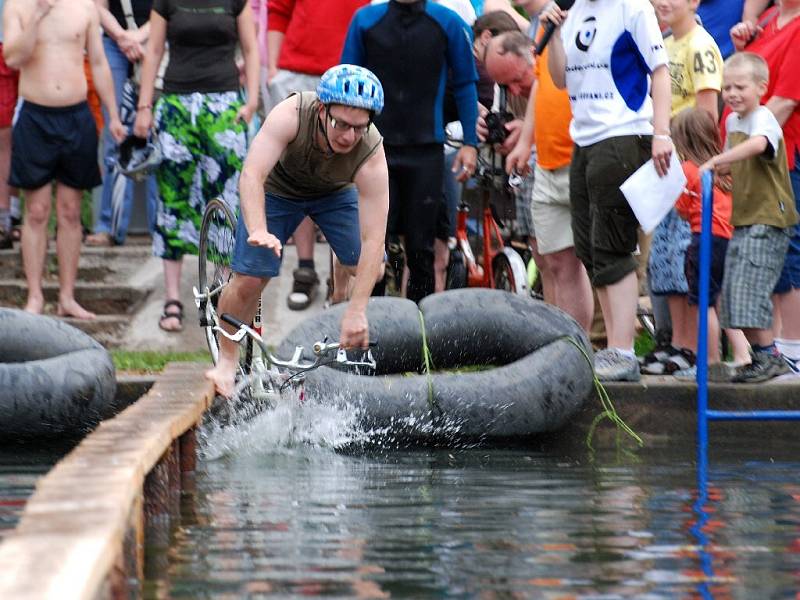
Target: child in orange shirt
point(696, 138)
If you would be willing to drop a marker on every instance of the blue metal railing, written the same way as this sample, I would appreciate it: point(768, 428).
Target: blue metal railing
point(704, 415)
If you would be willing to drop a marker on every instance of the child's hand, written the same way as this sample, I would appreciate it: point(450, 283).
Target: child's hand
point(706, 166)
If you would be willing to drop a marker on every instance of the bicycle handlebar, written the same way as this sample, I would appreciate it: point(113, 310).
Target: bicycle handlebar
point(321, 349)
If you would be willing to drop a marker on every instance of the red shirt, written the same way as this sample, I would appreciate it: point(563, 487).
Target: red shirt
point(781, 49)
point(314, 32)
point(690, 203)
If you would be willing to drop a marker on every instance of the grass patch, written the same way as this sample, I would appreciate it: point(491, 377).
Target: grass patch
point(643, 344)
point(153, 361)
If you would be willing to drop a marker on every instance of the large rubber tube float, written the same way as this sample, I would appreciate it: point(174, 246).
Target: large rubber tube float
point(540, 363)
point(54, 379)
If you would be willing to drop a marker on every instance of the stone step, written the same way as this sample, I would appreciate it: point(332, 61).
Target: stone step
point(101, 298)
point(109, 330)
point(101, 265)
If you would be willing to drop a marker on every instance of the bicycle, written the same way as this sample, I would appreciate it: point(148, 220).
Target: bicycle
point(259, 376)
point(498, 265)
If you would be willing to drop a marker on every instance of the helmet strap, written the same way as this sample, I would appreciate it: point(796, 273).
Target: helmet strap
point(325, 131)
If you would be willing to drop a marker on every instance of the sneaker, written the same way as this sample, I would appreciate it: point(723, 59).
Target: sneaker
point(794, 364)
point(304, 289)
point(764, 366)
point(717, 373)
point(611, 365)
point(689, 374)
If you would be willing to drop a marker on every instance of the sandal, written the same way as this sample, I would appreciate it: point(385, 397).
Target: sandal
point(99, 240)
point(166, 314)
point(304, 289)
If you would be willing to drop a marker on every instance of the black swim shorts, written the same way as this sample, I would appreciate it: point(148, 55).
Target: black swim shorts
point(54, 143)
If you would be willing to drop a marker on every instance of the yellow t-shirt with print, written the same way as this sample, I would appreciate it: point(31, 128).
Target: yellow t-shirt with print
point(695, 64)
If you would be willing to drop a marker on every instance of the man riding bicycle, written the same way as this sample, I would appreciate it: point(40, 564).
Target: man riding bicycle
point(317, 155)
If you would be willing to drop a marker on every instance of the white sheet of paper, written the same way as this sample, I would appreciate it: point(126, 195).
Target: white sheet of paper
point(651, 197)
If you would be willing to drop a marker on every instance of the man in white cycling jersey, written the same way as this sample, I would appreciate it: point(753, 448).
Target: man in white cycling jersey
point(317, 155)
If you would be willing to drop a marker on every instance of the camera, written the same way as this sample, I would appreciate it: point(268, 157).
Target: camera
point(496, 120)
point(496, 124)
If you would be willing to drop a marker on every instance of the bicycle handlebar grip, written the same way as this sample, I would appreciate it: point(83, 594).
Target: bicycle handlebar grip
point(231, 320)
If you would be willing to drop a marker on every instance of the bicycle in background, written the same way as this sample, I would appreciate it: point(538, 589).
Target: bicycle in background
point(496, 264)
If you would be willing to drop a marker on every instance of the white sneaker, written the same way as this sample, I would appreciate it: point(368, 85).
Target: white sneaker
point(612, 365)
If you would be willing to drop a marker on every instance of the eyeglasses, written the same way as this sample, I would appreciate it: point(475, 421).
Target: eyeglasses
point(343, 126)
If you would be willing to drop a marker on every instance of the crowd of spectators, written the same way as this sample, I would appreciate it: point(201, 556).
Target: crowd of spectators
point(615, 87)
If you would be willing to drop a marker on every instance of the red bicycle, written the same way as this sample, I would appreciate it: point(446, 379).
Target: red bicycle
point(495, 264)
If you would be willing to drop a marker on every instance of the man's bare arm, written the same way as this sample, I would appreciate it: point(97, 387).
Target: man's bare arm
point(20, 20)
point(280, 127)
point(274, 43)
point(101, 73)
point(372, 181)
point(782, 107)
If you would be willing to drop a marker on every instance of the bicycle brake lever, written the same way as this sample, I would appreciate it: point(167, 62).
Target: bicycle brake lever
point(368, 361)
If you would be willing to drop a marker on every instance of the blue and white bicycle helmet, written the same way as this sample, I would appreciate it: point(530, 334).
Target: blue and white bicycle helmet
point(351, 85)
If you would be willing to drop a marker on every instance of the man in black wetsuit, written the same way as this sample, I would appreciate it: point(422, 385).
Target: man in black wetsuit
point(411, 45)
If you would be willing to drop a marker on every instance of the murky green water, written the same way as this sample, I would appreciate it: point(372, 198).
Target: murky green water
point(21, 465)
point(269, 519)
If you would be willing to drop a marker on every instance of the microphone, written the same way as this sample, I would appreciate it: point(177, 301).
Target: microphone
point(549, 28)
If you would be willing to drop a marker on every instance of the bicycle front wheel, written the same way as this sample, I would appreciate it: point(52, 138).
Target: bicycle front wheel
point(215, 256)
point(504, 278)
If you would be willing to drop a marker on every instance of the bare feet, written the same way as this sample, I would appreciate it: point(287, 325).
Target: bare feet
point(35, 305)
point(70, 308)
point(223, 378)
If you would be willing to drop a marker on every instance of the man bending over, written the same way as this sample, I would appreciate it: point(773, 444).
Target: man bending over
point(321, 157)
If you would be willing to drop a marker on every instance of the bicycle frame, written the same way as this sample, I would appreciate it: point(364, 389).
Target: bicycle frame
point(492, 242)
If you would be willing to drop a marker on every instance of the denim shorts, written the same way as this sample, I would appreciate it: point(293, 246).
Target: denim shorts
point(790, 275)
point(336, 215)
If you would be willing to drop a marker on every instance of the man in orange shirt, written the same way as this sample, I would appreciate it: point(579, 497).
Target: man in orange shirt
point(547, 124)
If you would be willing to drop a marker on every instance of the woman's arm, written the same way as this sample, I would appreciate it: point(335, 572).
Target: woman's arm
point(247, 38)
point(150, 64)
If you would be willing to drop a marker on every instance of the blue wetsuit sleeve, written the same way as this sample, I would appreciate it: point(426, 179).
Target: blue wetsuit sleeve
point(353, 52)
point(464, 77)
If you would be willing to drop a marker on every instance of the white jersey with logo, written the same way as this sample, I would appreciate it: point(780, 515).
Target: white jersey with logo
point(612, 46)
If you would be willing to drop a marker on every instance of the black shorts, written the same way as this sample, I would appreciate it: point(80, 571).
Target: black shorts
point(719, 246)
point(604, 227)
point(54, 143)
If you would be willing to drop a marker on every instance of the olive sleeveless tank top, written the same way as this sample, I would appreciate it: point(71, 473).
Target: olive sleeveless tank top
point(305, 171)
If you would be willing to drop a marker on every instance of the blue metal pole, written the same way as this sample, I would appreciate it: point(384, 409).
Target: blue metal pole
point(707, 184)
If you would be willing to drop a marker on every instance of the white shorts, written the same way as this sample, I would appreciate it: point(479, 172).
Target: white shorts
point(552, 219)
point(286, 82)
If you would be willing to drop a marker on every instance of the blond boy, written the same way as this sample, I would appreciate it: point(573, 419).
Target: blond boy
point(763, 213)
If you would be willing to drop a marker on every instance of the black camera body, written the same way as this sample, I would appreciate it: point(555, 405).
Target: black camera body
point(496, 124)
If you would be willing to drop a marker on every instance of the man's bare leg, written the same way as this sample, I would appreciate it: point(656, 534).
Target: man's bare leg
point(573, 292)
point(441, 256)
point(34, 244)
point(618, 302)
point(5, 197)
point(68, 245)
point(239, 299)
point(343, 277)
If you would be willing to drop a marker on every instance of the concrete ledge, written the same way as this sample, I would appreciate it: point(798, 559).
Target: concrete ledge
point(664, 411)
point(70, 538)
